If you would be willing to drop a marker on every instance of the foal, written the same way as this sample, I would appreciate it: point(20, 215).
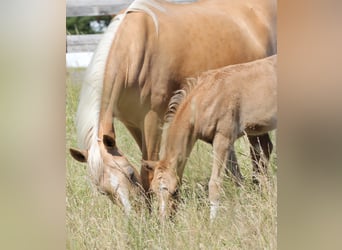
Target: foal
point(225, 104)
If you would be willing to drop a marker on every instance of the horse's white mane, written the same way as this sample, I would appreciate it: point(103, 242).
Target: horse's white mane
point(88, 112)
point(87, 117)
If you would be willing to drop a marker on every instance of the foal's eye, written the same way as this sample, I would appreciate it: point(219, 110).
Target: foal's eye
point(102, 192)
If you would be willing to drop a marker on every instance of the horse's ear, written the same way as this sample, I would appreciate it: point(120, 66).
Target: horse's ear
point(148, 165)
point(108, 141)
point(79, 155)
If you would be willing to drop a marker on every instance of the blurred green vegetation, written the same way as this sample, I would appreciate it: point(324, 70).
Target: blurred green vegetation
point(81, 24)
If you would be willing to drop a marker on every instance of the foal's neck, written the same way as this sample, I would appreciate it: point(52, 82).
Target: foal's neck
point(181, 137)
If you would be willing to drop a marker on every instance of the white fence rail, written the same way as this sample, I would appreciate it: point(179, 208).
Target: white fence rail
point(88, 43)
point(101, 7)
point(95, 7)
point(82, 43)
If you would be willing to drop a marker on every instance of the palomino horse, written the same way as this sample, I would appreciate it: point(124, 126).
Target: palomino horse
point(224, 104)
point(145, 55)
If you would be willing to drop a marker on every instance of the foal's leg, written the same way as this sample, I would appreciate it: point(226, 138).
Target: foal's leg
point(260, 151)
point(222, 147)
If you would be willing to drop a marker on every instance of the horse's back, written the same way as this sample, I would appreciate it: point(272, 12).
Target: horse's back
point(196, 37)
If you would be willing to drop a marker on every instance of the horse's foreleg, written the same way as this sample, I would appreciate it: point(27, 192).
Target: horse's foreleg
point(222, 147)
point(137, 136)
point(260, 151)
point(152, 131)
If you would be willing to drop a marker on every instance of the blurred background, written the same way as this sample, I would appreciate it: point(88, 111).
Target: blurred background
point(32, 95)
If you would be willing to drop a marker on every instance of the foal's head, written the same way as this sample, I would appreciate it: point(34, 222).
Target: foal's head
point(111, 172)
point(165, 184)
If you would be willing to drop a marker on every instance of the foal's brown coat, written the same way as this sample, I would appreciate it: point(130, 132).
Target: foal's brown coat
point(224, 104)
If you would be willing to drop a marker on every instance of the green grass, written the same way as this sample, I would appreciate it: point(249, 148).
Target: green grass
point(247, 218)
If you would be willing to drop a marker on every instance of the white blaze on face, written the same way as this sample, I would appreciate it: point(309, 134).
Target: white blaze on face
point(162, 206)
point(213, 210)
point(193, 111)
point(122, 193)
point(114, 181)
point(163, 198)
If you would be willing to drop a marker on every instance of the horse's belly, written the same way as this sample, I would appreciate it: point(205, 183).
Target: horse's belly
point(129, 110)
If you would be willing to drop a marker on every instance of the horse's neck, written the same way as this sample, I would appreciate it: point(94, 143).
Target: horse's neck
point(127, 69)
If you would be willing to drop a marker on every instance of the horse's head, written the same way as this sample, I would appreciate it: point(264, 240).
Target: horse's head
point(165, 185)
point(111, 172)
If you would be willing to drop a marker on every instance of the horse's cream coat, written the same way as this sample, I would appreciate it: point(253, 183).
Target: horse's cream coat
point(146, 54)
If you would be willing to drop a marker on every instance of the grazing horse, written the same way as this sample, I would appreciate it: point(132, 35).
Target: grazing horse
point(225, 104)
point(144, 56)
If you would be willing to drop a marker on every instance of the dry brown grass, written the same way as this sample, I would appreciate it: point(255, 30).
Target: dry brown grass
point(247, 217)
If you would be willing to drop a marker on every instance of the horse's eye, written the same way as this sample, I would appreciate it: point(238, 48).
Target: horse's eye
point(175, 193)
point(132, 177)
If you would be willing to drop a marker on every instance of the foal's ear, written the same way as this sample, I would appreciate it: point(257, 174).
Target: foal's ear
point(79, 155)
point(108, 141)
point(148, 165)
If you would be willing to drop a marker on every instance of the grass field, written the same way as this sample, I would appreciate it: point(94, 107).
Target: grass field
point(247, 218)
